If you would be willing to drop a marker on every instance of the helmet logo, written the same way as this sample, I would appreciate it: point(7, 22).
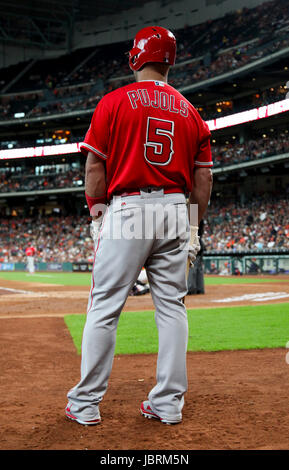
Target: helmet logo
point(141, 44)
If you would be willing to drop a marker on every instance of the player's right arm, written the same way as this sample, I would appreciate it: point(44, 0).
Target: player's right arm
point(95, 179)
point(95, 148)
point(95, 190)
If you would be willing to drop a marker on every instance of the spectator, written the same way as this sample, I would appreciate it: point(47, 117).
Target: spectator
point(227, 228)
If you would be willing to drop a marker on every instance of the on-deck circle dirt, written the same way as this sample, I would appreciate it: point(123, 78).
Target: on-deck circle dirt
point(235, 399)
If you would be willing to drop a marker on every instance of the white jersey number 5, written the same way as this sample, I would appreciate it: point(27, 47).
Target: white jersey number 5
point(159, 141)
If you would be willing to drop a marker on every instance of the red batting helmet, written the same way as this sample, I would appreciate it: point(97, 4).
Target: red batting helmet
point(152, 44)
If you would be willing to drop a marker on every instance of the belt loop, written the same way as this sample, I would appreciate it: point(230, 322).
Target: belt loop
point(151, 192)
point(116, 200)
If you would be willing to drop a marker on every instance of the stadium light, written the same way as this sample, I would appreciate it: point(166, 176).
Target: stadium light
point(214, 125)
point(41, 151)
point(250, 115)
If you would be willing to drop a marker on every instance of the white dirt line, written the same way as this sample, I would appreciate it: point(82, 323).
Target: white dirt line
point(20, 291)
point(257, 297)
point(11, 298)
point(39, 315)
point(271, 298)
point(50, 294)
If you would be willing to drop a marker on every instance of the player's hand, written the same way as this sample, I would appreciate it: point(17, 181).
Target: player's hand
point(194, 246)
point(95, 227)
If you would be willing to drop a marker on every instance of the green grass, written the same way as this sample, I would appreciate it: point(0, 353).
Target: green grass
point(67, 279)
point(214, 329)
point(223, 280)
point(83, 279)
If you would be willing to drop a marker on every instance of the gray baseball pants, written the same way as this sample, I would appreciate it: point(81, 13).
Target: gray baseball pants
point(150, 230)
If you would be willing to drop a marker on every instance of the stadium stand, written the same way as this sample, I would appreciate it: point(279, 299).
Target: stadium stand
point(57, 238)
point(259, 225)
point(45, 180)
point(252, 149)
point(17, 178)
point(63, 84)
point(53, 102)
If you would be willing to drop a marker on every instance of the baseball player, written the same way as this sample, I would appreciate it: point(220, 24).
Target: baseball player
point(141, 286)
point(30, 254)
point(147, 149)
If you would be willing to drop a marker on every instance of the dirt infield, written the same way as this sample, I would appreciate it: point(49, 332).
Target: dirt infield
point(235, 399)
point(56, 300)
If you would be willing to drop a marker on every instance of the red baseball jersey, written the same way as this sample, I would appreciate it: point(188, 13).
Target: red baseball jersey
point(30, 251)
point(150, 135)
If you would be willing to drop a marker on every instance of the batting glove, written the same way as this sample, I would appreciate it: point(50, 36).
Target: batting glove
point(194, 246)
point(95, 227)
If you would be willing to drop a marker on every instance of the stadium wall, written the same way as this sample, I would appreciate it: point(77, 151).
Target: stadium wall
point(237, 264)
point(123, 25)
point(11, 55)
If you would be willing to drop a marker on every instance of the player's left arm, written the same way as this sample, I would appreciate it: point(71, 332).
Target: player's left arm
point(202, 185)
point(202, 189)
point(200, 196)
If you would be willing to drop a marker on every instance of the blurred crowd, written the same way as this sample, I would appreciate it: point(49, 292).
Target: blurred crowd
point(207, 112)
point(224, 62)
point(256, 100)
point(252, 149)
point(228, 153)
point(56, 239)
point(234, 28)
point(259, 225)
point(204, 51)
point(31, 182)
point(207, 50)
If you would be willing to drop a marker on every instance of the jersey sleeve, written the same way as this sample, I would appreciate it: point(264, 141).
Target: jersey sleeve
point(97, 136)
point(203, 157)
